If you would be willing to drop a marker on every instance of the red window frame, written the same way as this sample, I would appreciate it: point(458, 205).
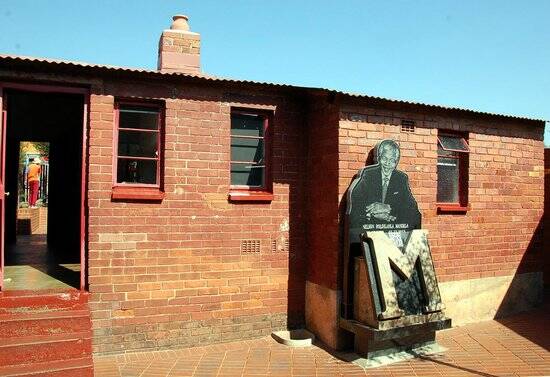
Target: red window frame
point(139, 191)
point(463, 172)
point(254, 193)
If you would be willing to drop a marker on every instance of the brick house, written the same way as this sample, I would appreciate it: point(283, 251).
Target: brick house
point(205, 210)
point(546, 241)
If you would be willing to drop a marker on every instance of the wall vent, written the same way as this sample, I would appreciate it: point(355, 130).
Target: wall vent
point(407, 125)
point(280, 245)
point(250, 246)
point(354, 117)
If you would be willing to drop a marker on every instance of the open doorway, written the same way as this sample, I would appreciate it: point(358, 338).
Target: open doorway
point(43, 167)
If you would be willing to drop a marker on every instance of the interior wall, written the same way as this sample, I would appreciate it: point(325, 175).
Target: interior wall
point(57, 119)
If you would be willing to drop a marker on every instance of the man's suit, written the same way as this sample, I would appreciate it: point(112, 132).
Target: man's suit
point(368, 189)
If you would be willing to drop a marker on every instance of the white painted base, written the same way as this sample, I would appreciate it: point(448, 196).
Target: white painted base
point(294, 338)
point(476, 300)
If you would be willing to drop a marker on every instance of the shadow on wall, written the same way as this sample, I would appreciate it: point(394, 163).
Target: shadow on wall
point(526, 290)
point(354, 252)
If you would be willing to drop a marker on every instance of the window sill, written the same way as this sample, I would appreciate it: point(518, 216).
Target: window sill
point(450, 207)
point(250, 196)
point(137, 193)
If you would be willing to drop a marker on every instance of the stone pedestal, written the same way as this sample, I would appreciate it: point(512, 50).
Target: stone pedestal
point(370, 342)
point(374, 337)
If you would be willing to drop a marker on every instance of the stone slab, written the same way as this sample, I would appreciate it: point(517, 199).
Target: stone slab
point(394, 333)
point(371, 343)
point(294, 338)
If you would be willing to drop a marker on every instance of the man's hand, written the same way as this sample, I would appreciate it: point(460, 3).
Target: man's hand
point(377, 208)
point(385, 216)
point(379, 211)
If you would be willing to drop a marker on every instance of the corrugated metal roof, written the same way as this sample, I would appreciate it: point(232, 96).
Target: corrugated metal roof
point(441, 107)
point(69, 63)
point(74, 64)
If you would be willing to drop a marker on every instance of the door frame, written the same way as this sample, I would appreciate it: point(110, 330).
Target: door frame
point(54, 89)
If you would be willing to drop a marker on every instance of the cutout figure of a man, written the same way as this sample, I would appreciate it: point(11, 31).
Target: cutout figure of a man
point(389, 198)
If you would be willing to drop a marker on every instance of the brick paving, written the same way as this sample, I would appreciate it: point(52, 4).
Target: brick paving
point(515, 346)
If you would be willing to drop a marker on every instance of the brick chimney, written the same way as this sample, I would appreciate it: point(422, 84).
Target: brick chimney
point(179, 48)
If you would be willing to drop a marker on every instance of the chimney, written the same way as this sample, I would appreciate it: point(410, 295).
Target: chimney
point(179, 48)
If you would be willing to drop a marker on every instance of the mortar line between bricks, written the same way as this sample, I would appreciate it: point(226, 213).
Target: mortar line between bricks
point(119, 368)
point(144, 369)
point(485, 348)
point(173, 365)
point(199, 363)
point(220, 366)
point(270, 358)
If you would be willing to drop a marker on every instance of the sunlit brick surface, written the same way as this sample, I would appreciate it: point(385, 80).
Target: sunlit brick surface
point(501, 232)
point(517, 346)
point(172, 273)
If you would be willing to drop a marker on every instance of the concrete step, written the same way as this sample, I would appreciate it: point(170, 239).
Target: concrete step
point(42, 300)
point(59, 368)
point(43, 324)
point(43, 348)
point(45, 334)
point(24, 314)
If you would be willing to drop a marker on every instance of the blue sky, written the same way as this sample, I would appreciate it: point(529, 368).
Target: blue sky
point(479, 54)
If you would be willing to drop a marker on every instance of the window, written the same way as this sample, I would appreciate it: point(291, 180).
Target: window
point(138, 149)
point(250, 144)
point(452, 172)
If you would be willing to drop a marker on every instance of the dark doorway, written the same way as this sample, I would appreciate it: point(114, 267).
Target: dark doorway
point(42, 237)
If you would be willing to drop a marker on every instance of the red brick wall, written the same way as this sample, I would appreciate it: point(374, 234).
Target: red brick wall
point(32, 220)
point(172, 273)
point(546, 216)
point(502, 233)
point(322, 188)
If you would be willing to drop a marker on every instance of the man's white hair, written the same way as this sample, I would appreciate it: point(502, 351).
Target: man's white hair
point(385, 145)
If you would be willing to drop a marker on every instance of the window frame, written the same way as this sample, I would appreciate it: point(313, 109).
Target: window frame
point(463, 158)
point(254, 193)
point(139, 191)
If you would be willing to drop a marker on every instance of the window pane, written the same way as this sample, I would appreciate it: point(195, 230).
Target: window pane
point(247, 125)
point(136, 171)
point(447, 180)
point(137, 144)
point(247, 149)
point(443, 153)
point(138, 117)
point(247, 175)
point(453, 143)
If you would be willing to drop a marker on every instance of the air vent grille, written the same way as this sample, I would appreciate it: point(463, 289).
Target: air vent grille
point(407, 125)
point(250, 246)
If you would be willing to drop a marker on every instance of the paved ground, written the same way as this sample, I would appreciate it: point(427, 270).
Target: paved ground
point(516, 346)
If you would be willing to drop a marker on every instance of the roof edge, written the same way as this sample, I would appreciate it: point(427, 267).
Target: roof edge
point(74, 64)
